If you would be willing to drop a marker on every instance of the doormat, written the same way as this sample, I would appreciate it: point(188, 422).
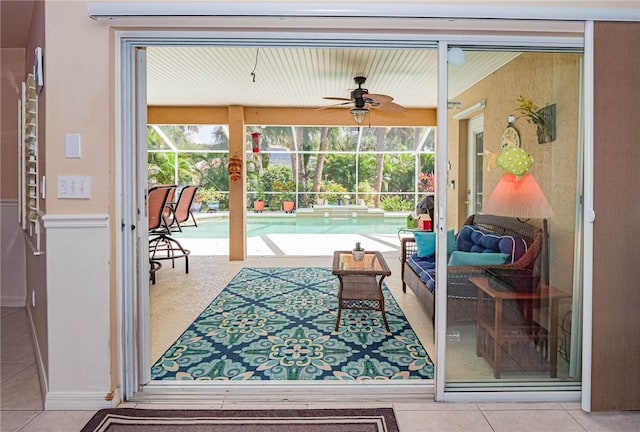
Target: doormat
point(295, 420)
point(278, 324)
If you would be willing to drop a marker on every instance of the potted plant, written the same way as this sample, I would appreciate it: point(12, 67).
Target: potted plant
point(358, 252)
point(288, 202)
point(210, 197)
point(258, 202)
point(288, 196)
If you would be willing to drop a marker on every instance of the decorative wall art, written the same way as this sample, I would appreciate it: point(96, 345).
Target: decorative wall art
point(235, 168)
point(544, 118)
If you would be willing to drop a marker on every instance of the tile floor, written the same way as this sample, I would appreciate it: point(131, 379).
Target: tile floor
point(22, 405)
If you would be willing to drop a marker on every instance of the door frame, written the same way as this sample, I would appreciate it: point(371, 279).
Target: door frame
point(128, 190)
point(475, 125)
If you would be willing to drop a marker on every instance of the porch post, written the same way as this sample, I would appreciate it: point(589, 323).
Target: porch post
point(237, 195)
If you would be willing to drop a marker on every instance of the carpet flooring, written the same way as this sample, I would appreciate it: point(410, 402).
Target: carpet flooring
point(311, 420)
point(278, 324)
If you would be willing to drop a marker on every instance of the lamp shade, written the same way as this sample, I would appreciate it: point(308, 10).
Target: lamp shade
point(518, 197)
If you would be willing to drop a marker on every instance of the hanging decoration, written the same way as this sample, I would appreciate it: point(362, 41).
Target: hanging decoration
point(515, 160)
point(256, 139)
point(235, 168)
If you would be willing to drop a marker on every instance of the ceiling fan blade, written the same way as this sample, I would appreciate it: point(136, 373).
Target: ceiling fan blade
point(337, 105)
point(336, 98)
point(378, 98)
point(390, 107)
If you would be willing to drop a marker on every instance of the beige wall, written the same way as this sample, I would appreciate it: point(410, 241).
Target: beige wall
point(78, 101)
point(12, 74)
point(546, 79)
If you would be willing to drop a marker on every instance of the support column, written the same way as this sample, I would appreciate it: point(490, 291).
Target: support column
point(237, 195)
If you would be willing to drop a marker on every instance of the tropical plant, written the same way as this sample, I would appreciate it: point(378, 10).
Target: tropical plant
point(286, 189)
point(209, 195)
point(529, 110)
point(336, 191)
point(259, 194)
point(395, 203)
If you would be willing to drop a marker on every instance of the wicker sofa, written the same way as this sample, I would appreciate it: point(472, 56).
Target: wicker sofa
point(462, 294)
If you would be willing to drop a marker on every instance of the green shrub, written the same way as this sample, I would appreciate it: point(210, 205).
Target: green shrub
point(395, 203)
point(335, 192)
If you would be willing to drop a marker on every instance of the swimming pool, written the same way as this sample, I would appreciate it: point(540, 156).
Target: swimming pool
point(263, 225)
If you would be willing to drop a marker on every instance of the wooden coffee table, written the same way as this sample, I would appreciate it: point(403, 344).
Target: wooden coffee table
point(360, 282)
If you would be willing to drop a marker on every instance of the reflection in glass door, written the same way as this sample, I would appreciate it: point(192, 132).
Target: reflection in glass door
point(510, 279)
point(475, 152)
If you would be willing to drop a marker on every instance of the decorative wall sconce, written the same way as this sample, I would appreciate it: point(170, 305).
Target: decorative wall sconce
point(547, 132)
point(544, 119)
point(256, 139)
point(235, 168)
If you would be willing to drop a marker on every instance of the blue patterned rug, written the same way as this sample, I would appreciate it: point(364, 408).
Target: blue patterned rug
point(278, 324)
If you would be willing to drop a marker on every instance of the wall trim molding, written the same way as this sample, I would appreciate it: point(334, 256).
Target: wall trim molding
point(521, 10)
point(64, 221)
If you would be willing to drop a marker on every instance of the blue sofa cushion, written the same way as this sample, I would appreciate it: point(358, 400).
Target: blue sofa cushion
point(425, 268)
point(472, 239)
point(459, 258)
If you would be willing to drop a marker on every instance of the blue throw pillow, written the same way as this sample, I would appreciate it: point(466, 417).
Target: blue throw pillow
point(459, 258)
point(472, 239)
point(426, 243)
point(451, 242)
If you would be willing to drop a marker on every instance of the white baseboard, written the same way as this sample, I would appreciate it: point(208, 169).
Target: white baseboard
point(79, 401)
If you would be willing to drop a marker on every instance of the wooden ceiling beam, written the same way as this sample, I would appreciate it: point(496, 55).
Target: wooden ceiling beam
point(272, 116)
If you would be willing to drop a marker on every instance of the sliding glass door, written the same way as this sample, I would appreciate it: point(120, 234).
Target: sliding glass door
point(512, 289)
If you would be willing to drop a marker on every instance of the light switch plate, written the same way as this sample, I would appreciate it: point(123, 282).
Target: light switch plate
point(74, 187)
point(72, 146)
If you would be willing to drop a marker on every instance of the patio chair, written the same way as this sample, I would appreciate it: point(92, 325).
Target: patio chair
point(161, 245)
point(182, 208)
point(168, 213)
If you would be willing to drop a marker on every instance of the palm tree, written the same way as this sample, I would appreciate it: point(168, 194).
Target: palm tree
point(317, 179)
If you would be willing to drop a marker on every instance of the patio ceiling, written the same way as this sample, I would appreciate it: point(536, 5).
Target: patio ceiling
point(301, 77)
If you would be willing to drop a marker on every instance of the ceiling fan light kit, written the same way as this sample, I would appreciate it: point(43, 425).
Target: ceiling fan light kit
point(359, 114)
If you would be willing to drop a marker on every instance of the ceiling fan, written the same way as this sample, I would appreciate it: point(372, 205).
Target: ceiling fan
point(361, 100)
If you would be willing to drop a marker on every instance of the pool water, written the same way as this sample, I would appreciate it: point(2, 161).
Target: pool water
point(257, 226)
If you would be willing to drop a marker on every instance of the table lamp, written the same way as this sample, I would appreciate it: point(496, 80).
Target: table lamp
point(522, 198)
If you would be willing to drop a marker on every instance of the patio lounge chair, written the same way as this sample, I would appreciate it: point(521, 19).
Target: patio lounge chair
point(161, 245)
point(182, 208)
